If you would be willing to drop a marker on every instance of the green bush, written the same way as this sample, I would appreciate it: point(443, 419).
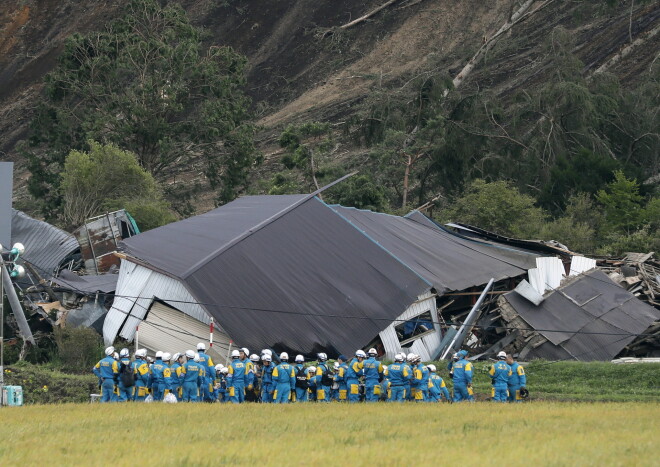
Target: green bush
point(78, 349)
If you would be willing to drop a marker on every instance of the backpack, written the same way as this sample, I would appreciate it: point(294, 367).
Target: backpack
point(301, 379)
point(126, 375)
point(326, 379)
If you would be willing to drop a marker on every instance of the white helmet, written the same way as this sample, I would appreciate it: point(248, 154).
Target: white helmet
point(372, 352)
point(124, 353)
point(300, 359)
point(336, 366)
point(176, 356)
point(235, 353)
point(311, 369)
point(431, 367)
point(322, 357)
point(141, 353)
point(455, 356)
point(267, 352)
point(201, 346)
point(284, 356)
point(501, 355)
point(190, 354)
point(411, 357)
point(159, 354)
point(398, 358)
point(360, 353)
point(254, 357)
point(267, 358)
point(219, 367)
point(150, 360)
point(245, 350)
point(167, 357)
point(197, 357)
point(115, 356)
point(109, 351)
point(224, 371)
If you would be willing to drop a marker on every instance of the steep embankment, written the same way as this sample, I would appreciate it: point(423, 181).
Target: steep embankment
point(303, 65)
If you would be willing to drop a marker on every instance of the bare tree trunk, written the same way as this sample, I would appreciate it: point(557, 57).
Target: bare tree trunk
point(367, 16)
point(406, 174)
point(313, 170)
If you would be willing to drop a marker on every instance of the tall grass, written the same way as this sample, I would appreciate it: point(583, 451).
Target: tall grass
point(337, 434)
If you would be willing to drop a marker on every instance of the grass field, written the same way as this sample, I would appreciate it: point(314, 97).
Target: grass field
point(541, 433)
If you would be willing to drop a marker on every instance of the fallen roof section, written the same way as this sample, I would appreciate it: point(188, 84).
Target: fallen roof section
point(588, 318)
point(88, 284)
point(46, 246)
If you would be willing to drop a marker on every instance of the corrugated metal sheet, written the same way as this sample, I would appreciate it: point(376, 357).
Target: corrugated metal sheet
point(46, 246)
point(551, 270)
point(580, 264)
point(536, 280)
point(427, 344)
point(137, 287)
point(171, 330)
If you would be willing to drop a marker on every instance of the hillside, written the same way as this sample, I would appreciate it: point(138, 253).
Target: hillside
point(302, 66)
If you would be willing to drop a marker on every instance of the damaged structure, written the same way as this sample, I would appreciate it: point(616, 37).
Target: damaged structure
point(292, 273)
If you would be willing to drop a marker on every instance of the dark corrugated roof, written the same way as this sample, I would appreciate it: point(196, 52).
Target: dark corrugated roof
point(306, 281)
point(592, 316)
point(87, 284)
point(446, 260)
point(46, 246)
point(195, 239)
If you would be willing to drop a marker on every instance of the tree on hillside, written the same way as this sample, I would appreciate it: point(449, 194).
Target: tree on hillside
point(305, 144)
point(105, 179)
point(148, 85)
point(496, 206)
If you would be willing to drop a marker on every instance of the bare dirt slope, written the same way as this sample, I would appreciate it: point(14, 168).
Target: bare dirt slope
point(303, 66)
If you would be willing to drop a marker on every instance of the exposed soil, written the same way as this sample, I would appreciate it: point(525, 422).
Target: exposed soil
point(303, 67)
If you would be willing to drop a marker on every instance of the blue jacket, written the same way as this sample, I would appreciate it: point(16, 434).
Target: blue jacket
point(518, 376)
point(283, 374)
point(372, 370)
point(177, 376)
point(437, 386)
point(355, 369)
point(398, 374)
point(193, 372)
point(463, 372)
point(267, 375)
point(142, 371)
point(237, 375)
point(340, 376)
point(499, 373)
point(420, 379)
point(207, 363)
point(106, 368)
point(321, 369)
point(157, 372)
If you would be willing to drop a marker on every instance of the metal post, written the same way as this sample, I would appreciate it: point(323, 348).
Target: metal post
point(137, 337)
point(460, 335)
point(2, 336)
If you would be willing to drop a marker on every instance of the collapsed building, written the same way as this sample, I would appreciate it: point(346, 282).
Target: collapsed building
point(293, 273)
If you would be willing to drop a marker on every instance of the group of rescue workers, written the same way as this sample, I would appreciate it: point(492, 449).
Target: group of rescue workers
point(192, 377)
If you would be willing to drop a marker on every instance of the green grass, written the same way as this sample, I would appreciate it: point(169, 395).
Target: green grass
point(543, 433)
point(562, 381)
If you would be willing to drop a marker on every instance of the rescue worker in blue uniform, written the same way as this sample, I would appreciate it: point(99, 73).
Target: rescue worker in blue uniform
point(209, 372)
point(107, 371)
point(142, 375)
point(168, 376)
point(193, 377)
point(384, 385)
point(310, 372)
point(323, 379)
point(373, 371)
point(302, 382)
point(284, 379)
point(115, 392)
point(159, 371)
point(399, 375)
point(267, 386)
point(410, 358)
point(177, 378)
point(463, 378)
point(499, 373)
point(355, 371)
point(236, 378)
point(517, 380)
point(437, 386)
point(417, 383)
point(252, 381)
point(220, 386)
point(125, 392)
point(340, 379)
